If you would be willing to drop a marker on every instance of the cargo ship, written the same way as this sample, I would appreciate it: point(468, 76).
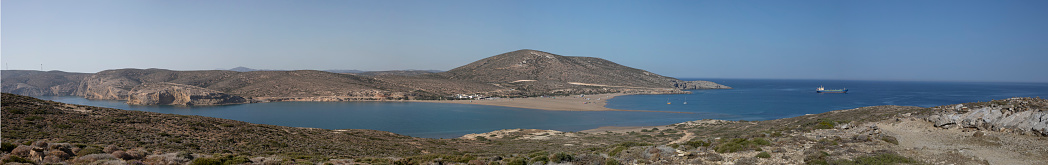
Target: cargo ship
point(824, 90)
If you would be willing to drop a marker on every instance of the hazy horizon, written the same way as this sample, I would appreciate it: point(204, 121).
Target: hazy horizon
point(969, 41)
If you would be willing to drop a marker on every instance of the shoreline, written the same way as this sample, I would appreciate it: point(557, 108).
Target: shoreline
point(595, 102)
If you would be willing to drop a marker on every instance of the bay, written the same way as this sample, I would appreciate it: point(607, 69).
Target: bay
point(752, 99)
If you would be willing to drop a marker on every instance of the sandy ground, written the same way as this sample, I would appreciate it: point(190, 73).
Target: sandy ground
point(959, 146)
point(559, 103)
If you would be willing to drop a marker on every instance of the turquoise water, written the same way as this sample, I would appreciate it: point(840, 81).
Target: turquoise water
point(750, 100)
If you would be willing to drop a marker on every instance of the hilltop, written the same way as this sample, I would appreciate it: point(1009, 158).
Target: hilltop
point(39, 131)
point(546, 71)
point(515, 74)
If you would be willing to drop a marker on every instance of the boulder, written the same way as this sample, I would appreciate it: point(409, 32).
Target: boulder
point(1015, 115)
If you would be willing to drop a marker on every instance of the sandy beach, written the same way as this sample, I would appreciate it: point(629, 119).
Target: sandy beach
point(559, 103)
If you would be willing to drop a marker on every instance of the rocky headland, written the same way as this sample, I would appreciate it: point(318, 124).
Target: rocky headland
point(521, 73)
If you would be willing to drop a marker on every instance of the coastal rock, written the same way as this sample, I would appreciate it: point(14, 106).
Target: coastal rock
point(179, 94)
point(698, 84)
point(1020, 115)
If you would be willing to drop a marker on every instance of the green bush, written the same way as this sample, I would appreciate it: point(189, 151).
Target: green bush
point(542, 159)
point(89, 150)
point(697, 143)
point(740, 144)
point(206, 161)
point(423, 159)
point(616, 150)
point(877, 160)
point(763, 155)
point(611, 161)
point(516, 161)
point(13, 158)
point(560, 157)
point(7, 147)
point(890, 139)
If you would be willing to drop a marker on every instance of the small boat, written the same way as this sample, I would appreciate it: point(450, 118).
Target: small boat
point(685, 100)
point(824, 90)
point(667, 100)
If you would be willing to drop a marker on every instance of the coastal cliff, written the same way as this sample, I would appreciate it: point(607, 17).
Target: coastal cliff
point(179, 94)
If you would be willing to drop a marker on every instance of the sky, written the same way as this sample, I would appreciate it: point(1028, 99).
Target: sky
point(930, 40)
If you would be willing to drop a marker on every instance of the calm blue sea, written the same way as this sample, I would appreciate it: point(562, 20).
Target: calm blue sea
point(752, 99)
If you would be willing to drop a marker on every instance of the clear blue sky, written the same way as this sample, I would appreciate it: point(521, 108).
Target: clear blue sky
point(930, 40)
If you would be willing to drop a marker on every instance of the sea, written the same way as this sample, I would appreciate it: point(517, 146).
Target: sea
point(751, 99)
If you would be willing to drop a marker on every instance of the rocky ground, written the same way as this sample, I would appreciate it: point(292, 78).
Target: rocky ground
point(41, 132)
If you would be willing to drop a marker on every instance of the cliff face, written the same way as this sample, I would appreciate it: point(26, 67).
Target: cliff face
point(1020, 115)
point(179, 94)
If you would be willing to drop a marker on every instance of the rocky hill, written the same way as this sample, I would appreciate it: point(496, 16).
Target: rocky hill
point(514, 74)
point(549, 71)
point(40, 83)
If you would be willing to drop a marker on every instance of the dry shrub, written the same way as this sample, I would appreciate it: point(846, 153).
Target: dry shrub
point(63, 155)
point(122, 155)
point(168, 158)
point(110, 149)
point(41, 144)
point(88, 159)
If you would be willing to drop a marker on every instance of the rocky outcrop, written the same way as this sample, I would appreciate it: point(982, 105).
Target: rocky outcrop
point(179, 94)
point(698, 84)
point(1019, 115)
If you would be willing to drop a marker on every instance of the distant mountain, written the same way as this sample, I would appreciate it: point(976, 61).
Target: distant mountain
point(243, 69)
point(409, 72)
point(555, 71)
point(344, 71)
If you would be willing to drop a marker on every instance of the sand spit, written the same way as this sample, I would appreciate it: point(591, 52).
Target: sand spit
point(554, 103)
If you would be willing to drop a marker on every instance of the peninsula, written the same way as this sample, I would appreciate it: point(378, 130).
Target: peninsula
point(518, 74)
